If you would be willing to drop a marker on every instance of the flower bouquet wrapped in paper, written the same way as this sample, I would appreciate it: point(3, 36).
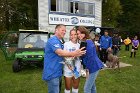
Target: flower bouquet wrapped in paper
point(70, 62)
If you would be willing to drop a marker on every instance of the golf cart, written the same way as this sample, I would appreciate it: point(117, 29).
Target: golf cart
point(30, 48)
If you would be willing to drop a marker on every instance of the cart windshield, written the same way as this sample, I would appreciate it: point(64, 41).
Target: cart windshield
point(32, 40)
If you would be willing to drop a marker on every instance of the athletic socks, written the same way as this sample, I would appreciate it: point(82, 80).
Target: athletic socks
point(131, 54)
point(67, 91)
point(74, 90)
point(134, 54)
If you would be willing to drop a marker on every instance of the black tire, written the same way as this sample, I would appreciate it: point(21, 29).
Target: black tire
point(39, 64)
point(16, 66)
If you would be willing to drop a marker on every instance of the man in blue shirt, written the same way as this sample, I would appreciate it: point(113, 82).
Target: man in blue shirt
point(105, 44)
point(53, 57)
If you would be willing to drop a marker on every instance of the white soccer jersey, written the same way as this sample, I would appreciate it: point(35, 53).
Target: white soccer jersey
point(70, 46)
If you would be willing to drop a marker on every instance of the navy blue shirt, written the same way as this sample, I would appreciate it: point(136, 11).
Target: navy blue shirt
point(52, 66)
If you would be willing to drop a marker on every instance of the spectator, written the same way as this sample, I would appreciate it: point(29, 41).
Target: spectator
point(53, 57)
point(116, 44)
point(120, 42)
point(105, 44)
point(135, 45)
point(97, 44)
point(39, 43)
point(70, 79)
point(127, 42)
point(90, 59)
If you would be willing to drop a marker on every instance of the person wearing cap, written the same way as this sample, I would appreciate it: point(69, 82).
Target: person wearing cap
point(105, 44)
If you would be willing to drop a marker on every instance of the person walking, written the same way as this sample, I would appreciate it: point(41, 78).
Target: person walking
point(135, 45)
point(91, 60)
point(54, 53)
point(70, 80)
point(105, 44)
point(127, 42)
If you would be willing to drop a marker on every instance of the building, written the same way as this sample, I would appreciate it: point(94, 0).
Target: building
point(69, 12)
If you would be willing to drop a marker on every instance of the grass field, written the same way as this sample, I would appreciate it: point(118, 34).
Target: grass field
point(29, 80)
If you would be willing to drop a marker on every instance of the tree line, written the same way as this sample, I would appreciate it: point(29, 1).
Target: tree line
point(121, 14)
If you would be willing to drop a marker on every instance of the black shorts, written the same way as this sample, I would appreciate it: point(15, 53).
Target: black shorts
point(134, 48)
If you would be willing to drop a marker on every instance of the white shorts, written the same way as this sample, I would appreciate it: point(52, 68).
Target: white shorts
point(69, 73)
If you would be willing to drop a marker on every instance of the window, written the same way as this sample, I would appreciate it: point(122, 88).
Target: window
point(72, 7)
point(56, 5)
point(81, 8)
point(90, 9)
point(53, 5)
point(35, 40)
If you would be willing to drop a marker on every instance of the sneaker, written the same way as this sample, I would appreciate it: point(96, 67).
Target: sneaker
point(105, 65)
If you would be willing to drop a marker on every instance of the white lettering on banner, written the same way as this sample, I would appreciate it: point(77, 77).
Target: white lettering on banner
point(70, 20)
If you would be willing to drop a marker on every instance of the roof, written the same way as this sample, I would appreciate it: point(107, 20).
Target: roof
point(22, 30)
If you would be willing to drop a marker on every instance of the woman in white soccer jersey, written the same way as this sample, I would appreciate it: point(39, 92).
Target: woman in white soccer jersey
point(70, 81)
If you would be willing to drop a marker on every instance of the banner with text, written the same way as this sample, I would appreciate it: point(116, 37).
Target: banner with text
point(71, 20)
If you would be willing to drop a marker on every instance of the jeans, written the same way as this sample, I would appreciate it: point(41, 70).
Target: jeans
point(115, 51)
point(90, 86)
point(54, 85)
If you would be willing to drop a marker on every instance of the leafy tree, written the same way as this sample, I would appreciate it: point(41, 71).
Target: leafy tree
point(16, 14)
point(111, 9)
point(130, 19)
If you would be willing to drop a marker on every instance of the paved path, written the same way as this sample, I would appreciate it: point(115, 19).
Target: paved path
point(121, 65)
point(124, 64)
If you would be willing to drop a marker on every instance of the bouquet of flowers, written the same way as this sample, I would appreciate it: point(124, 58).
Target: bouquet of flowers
point(70, 62)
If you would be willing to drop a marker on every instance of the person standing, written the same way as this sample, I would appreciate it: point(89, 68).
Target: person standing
point(91, 61)
point(97, 43)
point(116, 43)
point(120, 42)
point(135, 45)
point(70, 80)
point(105, 44)
point(54, 53)
point(127, 42)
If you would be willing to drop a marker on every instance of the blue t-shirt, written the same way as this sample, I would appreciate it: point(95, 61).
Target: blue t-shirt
point(52, 66)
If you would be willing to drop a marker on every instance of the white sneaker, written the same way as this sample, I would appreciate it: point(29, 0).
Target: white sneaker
point(105, 65)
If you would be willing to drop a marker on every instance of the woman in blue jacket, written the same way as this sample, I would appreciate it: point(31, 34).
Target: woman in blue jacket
point(91, 61)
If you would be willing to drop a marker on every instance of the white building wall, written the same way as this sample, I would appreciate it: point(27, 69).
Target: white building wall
point(43, 15)
point(98, 11)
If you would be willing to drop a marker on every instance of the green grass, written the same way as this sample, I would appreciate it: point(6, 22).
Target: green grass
point(29, 80)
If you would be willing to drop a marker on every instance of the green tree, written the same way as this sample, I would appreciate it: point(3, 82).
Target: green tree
point(111, 9)
point(130, 19)
point(18, 14)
